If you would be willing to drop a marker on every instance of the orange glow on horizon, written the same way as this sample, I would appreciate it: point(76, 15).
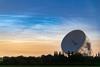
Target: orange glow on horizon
point(95, 46)
point(33, 48)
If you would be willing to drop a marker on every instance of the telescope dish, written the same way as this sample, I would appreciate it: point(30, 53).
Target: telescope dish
point(73, 41)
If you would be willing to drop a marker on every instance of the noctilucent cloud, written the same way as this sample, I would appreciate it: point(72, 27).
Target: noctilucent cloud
point(48, 20)
point(48, 17)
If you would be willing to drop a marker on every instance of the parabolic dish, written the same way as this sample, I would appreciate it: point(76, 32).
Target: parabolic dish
point(73, 41)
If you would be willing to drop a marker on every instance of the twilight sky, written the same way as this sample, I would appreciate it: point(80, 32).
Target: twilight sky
point(35, 27)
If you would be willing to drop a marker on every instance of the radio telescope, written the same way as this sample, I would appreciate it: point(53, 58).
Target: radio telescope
point(76, 42)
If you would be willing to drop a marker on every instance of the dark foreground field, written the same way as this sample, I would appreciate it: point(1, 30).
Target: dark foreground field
point(46, 66)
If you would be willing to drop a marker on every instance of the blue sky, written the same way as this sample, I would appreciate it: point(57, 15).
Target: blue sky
point(50, 17)
point(57, 8)
point(42, 24)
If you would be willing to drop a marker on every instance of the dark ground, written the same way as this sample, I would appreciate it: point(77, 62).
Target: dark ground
point(47, 66)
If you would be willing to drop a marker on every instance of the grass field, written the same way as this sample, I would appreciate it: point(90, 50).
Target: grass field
point(46, 66)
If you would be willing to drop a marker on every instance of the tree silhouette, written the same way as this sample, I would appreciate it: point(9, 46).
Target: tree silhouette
point(57, 58)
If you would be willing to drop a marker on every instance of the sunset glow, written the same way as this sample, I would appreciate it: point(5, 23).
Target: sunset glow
point(34, 27)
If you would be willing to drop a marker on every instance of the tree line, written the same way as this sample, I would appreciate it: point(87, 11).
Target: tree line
point(57, 58)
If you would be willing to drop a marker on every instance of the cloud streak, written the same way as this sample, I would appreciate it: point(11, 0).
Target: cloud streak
point(46, 28)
